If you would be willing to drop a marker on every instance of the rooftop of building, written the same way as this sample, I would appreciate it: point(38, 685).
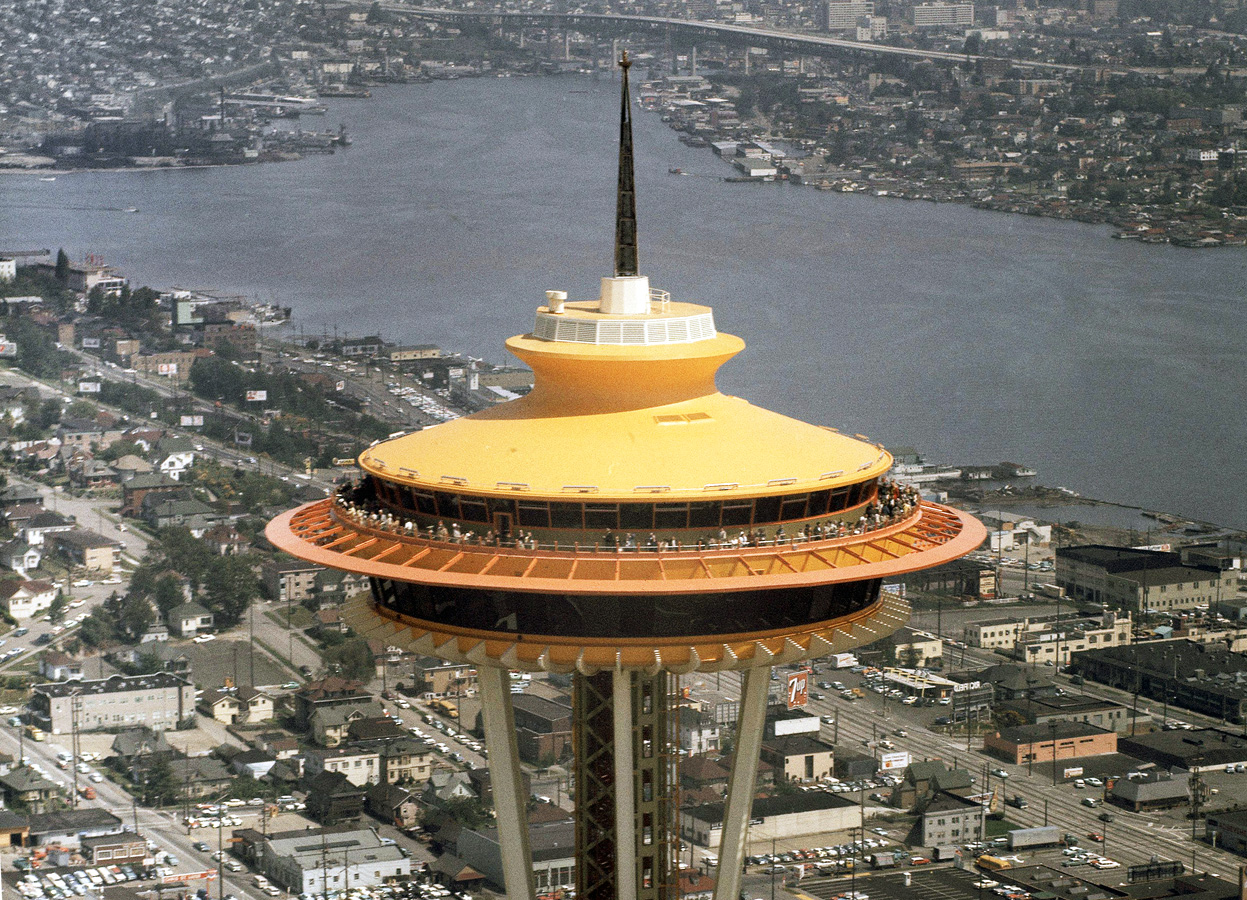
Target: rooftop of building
point(308, 847)
point(1206, 746)
point(73, 820)
point(1210, 666)
point(1161, 566)
point(787, 804)
point(794, 744)
point(111, 685)
point(1050, 731)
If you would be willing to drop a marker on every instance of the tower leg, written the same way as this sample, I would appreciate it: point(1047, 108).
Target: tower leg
point(625, 789)
point(510, 804)
point(749, 728)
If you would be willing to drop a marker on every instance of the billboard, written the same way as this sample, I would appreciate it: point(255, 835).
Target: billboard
point(88, 387)
point(968, 686)
point(90, 343)
point(183, 877)
point(257, 396)
point(798, 688)
point(8, 349)
point(1072, 772)
point(167, 369)
point(192, 421)
point(897, 760)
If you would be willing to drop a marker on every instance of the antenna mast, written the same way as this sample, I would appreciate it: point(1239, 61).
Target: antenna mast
point(625, 201)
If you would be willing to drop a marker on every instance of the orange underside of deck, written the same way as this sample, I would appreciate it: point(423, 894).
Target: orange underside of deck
point(319, 533)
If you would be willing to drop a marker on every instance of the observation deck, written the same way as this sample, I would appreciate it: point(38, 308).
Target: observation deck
point(615, 585)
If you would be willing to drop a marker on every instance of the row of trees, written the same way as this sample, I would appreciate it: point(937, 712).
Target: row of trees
point(177, 563)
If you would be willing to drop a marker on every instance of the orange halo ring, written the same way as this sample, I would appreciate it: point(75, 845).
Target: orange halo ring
point(932, 535)
point(682, 655)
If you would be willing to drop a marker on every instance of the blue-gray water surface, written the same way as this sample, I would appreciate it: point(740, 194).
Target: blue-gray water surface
point(1113, 368)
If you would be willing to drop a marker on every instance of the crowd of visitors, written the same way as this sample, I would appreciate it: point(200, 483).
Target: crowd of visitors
point(895, 502)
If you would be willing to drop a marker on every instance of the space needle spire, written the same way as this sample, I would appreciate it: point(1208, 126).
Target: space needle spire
point(625, 202)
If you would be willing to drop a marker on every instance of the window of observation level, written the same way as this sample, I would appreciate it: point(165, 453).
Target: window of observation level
point(598, 515)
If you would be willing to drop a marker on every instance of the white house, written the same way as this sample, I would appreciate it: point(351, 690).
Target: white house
point(174, 455)
point(189, 619)
point(24, 599)
point(39, 526)
point(20, 557)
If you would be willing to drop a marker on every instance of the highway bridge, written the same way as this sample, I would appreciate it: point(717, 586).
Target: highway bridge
point(693, 31)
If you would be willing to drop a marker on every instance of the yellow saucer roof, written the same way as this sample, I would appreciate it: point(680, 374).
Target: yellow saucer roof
point(627, 420)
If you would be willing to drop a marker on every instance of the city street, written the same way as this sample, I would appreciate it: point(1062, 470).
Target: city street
point(1131, 838)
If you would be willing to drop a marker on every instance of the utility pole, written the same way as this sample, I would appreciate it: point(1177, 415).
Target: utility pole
point(75, 707)
point(251, 645)
point(220, 862)
point(1052, 725)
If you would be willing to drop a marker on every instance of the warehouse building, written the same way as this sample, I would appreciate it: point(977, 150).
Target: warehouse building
point(1139, 580)
point(1204, 678)
point(790, 816)
point(325, 860)
point(1197, 750)
point(1055, 740)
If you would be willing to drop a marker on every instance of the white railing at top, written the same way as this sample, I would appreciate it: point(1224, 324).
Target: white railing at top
point(660, 301)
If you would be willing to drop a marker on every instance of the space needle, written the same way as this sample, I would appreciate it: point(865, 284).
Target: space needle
point(625, 523)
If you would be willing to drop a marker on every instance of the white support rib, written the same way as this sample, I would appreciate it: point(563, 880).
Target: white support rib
point(625, 790)
point(736, 811)
point(510, 802)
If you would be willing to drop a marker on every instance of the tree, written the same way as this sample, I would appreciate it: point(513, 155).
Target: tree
point(229, 588)
point(469, 813)
point(185, 553)
point(167, 593)
point(49, 413)
point(56, 611)
point(135, 616)
point(97, 629)
point(82, 409)
point(62, 265)
point(160, 784)
point(352, 659)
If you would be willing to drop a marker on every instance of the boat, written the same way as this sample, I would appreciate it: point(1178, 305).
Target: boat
point(132, 209)
point(48, 178)
point(675, 171)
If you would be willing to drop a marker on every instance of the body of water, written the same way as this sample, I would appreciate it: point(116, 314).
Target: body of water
point(1113, 368)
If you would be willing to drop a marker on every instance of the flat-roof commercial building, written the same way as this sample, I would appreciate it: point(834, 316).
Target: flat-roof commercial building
point(1197, 750)
point(69, 827)
point(1043, 743)
point(1077, 708)
point(800, 757)
point(1151, 790)
point(790, 816)
point(1139, 580)
point(1204, 678)
point(160, 701)
point(1227, 830)
point(308, 862)
point(1045, 639)
point(553, 847)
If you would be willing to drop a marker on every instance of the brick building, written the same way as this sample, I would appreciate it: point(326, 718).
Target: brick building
point(1041, 743)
